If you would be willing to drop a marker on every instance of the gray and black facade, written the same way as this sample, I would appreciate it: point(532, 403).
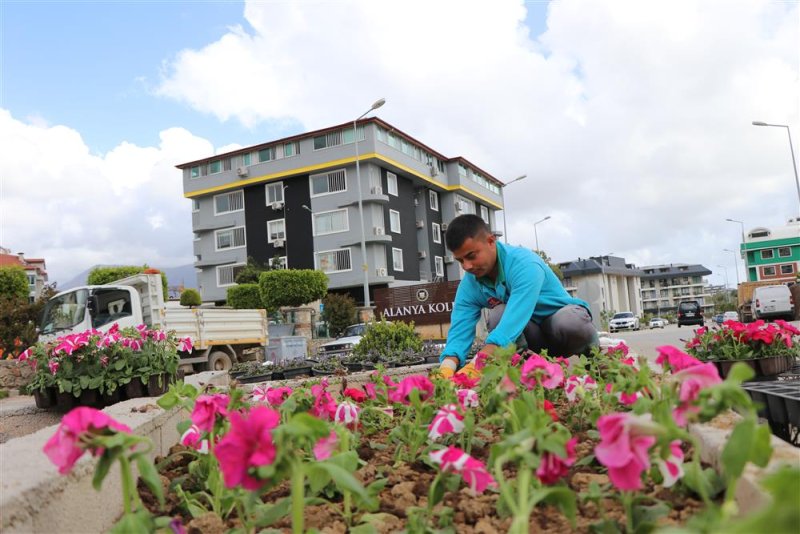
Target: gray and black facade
point(295, 201)
point(666, 286)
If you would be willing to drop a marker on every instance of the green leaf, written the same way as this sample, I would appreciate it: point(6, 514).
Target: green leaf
point(148, 473)
point(168, 400)
point(101, 469)
point(366, 528)
point(737, 451)
point(317, 477)
point(561, 496)
point(762, 447)
point(436, 492)
point(344, 480)
point(137, 523)
point(306, 425)
point(739, 373)
point(266, 515)
point(645, 517)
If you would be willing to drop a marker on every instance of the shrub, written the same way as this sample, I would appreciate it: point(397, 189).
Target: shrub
point(291, 287)
point(339, 312)
point(388, 339)
point(250, 273)
point(191, 297)
point(245, 297)
point(18, 320)
point(105, 275)
point(14, 282)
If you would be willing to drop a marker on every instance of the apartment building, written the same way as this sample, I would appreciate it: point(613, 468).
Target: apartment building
point(35, 270)
point(296, 200)
point(773, 254)
point(606, 283)
point(666, 286)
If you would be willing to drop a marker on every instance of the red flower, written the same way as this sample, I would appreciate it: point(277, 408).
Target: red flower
point(553, 466)
point(246, 446)
point(206, 409)
point(67, 445)
point(619, 347)
point(676, 358)
point(410, 383)
point(355, 394)
point(463, 381)
point(551, 410)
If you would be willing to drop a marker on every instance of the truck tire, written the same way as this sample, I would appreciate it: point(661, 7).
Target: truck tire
point(219, 361)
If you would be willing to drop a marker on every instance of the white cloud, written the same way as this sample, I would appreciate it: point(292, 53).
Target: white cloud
point(77, 209)
point(631, 119)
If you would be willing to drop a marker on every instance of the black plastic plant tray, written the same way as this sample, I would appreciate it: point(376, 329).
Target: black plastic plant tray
point(780, 400)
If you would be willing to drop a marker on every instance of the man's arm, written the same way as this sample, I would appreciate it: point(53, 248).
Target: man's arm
point(526, 279)
point(463, 318)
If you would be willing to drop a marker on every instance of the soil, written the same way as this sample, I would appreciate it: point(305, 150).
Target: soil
point(407, 487)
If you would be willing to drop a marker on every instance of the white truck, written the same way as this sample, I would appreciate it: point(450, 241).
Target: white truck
point(220, 336)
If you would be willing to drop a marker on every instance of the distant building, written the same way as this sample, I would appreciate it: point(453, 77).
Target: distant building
point(297, 200)
point(607, 283)
point(665, 286)
point(35, 269)
point(773, 253)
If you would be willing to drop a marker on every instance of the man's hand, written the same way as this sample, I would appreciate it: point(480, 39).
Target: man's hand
point(474, 368)
point(448, 367)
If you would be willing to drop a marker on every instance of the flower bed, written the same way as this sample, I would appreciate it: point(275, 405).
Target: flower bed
point(537, 444)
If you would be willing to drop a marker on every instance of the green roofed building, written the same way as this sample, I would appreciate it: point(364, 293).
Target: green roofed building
point(773, 254)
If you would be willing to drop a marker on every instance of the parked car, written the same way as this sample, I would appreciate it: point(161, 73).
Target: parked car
point(690, 312)
point(344, 344)
point(623, 321)
point(730, 316)
point(718, 318)
point(773, 302)
point(657, 322)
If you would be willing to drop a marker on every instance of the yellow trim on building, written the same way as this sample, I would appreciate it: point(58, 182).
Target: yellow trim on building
point(334, 163)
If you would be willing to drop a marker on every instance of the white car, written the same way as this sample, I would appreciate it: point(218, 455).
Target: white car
point(623, 321)
point(657, 322)
point(730, 316)
point(342, 346)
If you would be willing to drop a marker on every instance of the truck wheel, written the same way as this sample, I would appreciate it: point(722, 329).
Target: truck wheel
point(219, 361)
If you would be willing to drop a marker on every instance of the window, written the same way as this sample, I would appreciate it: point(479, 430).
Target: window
point(274, 193)
point(339, 137)
point(196, 236)
point(485, 214)
point(334, 261)
point(394, 221)
point(767, 254)
point(784, 252)
point(215, 167)
point(195, 205)
point(229, 202)
point(437, 232)
point(391, 183)
point(787, 269)
point(331, 222)
point(438, 262)
point(112, 305)
point(768, 271)
point(231, 238)
point(464, 205)
point(433, 200)
point(266, 154)
point(329, 182)
point(226, 164)
point(276, 230)
point(226, 274)
point(198, 171)
point(247, 159)
point(290, 149)
point(31, 280)
point(462, 171)
point(278, 262)
point(397, 259)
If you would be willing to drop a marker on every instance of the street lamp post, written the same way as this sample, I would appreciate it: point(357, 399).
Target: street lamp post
point(743, 252)
point(535, 233)
point(736, 263)
point(503, 198)
point(727, 295)
point(365, 265)
point(791, 147)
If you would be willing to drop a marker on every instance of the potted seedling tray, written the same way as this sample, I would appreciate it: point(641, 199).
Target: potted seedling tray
point(763, 367)
point(780, 405)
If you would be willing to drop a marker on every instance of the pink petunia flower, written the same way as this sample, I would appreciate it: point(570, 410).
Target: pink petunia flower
point(325, 447)
point(692, 381)
point(247, 445)
point(576, 386)
point(480, 360)
point(142, 328)
point(68, 444)
point(324, 406)
point(463, 381)
point(158, 335)
point(53, 364)
point(675, 358)
point(347, 414)
point(468, 398)
point(369, 387)
point(270, 395)
point(553, 466)
point(24, 355)
point(619, 347)
point(207, 408)
point(185, 344)
point(625, 442)
point(447, 420)
point(193, 438)
point(626, 399)
point(672, 468)
point(410, 383)
point(506, 386)
point(473, 471)
point(515, 359)
point(552, 374)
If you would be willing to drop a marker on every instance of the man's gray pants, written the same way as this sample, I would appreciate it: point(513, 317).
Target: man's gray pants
point(567, 332)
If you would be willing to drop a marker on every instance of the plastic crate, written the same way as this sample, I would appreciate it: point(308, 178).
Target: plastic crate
point(286, 348)
point(780, 406)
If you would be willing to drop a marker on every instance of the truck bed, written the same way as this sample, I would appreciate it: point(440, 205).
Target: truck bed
point(208, 327)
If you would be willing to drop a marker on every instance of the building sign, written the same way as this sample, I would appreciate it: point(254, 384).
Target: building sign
point(422, 303)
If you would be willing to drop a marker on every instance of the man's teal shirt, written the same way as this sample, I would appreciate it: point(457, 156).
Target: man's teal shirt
point(525, 283)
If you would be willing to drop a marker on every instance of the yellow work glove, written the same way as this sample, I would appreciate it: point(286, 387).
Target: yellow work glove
point(470, 371)
point(448, 367)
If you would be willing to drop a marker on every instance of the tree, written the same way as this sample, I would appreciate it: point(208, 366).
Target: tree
point(245, 297)
point(339, 312)
point(291, 287)
point(105, 275)
point(18, 320)
point(250, 272)
point(191, 297)
point(556, 269)
point(14, 282)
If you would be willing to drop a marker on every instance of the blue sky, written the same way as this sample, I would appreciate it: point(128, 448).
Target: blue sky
point(631, 119)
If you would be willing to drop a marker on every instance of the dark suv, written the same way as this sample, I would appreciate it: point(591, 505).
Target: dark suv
point(690, 312)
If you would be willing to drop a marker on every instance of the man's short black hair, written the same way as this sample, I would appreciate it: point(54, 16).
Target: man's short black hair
point(462, 228)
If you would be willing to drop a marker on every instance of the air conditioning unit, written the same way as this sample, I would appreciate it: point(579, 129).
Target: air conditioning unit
point(277, 205)
point(434, 170)
point(380, 271)
point(459, 207)
point(377, 190)
point(241, 171)
point(378, 230)
point(422, 254)
point(420, 224)
point(444, 227)
point(449, 258)
point(278, 243)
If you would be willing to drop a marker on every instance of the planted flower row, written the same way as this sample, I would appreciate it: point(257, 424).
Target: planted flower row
point(511, 438)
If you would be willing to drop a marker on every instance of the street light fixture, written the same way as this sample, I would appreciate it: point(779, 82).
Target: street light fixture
point(743, 252)
point(365, 265)
point(727, 294)
point(791, 147)
point(503, 198)
point(735, 262)
point(535, 233)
